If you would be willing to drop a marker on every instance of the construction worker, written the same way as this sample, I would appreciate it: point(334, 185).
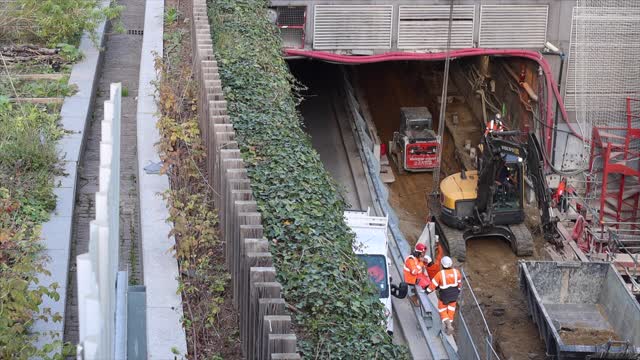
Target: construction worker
point(448, 282)
point(415, 269)
point(494, 125)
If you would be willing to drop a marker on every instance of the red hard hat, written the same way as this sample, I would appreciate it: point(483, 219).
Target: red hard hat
point(420, 247)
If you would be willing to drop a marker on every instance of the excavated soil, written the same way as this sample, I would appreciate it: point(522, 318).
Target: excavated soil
point(491, 264)
point(492, 268)
point(387, 87)
point(586, 336)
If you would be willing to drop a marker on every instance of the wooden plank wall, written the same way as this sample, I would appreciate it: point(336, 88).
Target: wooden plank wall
point(265, 326)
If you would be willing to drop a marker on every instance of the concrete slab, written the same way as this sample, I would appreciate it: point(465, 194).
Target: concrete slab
point(69, 147)
point(65, 198)
point(56, 233)
point(57, 267)
point(164, 328)
point(56, 308)
point(161, 335)
point(161, 290)
point(68, 180)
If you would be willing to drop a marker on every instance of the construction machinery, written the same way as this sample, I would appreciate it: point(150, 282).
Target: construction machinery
point(489, 202)
point(415, 146)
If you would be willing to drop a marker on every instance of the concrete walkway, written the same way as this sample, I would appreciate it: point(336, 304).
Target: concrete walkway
point(121, 64)
point(164, 307)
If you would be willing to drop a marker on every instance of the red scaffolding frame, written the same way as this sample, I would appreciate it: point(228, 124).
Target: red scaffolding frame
point(618, 149)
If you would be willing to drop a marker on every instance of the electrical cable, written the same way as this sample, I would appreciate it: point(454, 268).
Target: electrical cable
point(406, 56)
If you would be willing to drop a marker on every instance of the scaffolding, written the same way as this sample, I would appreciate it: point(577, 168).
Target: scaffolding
point(606, 52)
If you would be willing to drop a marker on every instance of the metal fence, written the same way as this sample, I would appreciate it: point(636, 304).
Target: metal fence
point(473, 337)
point(98, 269)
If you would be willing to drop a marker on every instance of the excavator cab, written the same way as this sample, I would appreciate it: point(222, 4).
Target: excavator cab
point(508, 198)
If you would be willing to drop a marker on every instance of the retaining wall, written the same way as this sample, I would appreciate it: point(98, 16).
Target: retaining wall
point(265, 327)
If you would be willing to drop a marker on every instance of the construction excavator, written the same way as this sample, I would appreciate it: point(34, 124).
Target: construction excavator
point(489, 201)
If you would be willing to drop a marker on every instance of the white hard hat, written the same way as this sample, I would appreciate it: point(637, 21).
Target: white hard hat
point(446, 262)
point(498, 116)
point(427, 258)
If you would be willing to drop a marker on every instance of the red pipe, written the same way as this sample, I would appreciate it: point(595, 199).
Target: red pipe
point(399, 56)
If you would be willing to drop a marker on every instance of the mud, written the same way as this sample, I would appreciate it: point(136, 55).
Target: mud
point(586, 336)
point(492, 269)
point(387, 87)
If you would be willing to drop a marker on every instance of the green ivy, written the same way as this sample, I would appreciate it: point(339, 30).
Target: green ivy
point(337, 307)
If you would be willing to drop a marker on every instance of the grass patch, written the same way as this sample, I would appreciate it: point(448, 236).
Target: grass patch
point(37, 88)
point(28, 162)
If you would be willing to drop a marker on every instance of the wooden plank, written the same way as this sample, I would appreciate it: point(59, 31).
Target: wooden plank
point(261, 282)
point(267, 307)
point(285, 356)
point(54, 76)
point(273, 325)
point(281, 343)
point(52, 100)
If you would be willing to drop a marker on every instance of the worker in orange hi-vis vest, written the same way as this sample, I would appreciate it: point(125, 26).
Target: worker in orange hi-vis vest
point(494, 125)
point(415, 270)
point(433, 267)
point(448, 282)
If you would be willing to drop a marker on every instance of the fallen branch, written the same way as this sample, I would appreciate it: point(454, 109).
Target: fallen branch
point(37, 100)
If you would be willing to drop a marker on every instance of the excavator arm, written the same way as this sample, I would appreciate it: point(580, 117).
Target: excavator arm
point(535, 170)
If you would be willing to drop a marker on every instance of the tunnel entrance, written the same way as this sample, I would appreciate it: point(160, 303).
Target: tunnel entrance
point(383, 88)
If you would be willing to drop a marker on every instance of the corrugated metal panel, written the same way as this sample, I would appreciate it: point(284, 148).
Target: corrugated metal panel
point(352, 27)
point(513, 26)
point(426, 27)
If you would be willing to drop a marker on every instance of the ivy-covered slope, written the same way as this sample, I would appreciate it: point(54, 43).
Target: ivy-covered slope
point(339, 314)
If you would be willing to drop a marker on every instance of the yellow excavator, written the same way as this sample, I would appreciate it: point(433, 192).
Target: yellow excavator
point(489, 202)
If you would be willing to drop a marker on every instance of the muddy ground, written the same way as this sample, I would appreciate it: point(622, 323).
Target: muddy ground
point(491, 265)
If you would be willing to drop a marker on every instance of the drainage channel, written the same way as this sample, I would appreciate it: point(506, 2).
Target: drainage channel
point(120, 64)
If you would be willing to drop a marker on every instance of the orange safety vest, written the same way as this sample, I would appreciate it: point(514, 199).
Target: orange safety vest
point(493, 125)
point(449, 282)
point(412, 267)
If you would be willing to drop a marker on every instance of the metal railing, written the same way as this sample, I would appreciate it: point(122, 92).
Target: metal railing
point(474, 339)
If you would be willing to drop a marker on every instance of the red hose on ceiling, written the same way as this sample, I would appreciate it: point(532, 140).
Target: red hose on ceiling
point(407, 56)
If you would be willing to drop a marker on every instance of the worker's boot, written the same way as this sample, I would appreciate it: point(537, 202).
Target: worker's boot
point(449, 325)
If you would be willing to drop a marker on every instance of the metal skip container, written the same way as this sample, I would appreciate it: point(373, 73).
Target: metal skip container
point(583, 310)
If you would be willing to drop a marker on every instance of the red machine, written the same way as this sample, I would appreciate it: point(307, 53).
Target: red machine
point(415, 146)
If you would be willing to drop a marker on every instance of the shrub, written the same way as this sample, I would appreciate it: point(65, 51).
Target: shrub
point(63, 21)
point(28, 162)
point(337, 307)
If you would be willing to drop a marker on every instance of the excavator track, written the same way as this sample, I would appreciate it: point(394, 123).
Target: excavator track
point(518, 236)
point(454, 241)
point(523, 240)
